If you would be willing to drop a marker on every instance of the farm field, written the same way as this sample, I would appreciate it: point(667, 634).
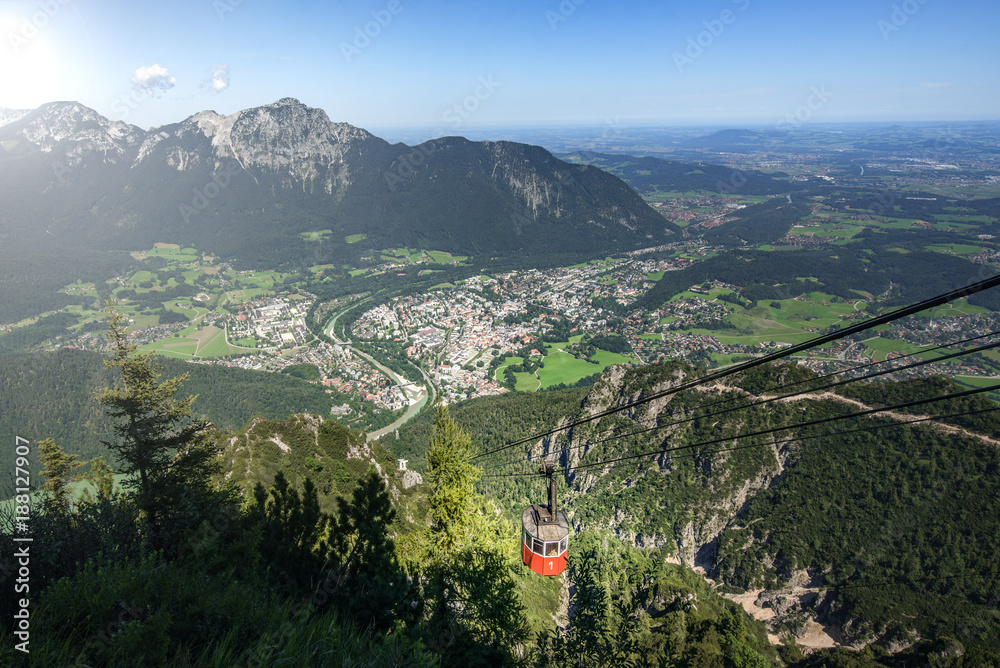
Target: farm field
point(194, 343)
point(505, 362)
point(880, 348)
point(403, 256)
point(562, 367)
point(958, 249)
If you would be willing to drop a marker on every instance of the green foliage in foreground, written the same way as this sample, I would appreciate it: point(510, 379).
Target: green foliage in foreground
point(896, 527)
point(633, 609)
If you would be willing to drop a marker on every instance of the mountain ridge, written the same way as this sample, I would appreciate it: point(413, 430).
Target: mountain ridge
point(273, 171)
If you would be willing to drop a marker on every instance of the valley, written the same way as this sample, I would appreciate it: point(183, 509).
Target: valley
point(572, 285)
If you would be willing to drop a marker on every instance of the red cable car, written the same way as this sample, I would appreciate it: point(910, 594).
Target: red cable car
point(545, 532)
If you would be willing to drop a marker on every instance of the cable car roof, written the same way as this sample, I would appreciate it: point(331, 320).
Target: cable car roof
point(532, 519)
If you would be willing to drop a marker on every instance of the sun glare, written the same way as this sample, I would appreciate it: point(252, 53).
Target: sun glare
point(29, 71)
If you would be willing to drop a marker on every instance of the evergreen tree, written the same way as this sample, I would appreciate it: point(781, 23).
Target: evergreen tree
point(58, 470)
point(293, 531)
point(102, 477)
point(162, 451)
point(452, 479)
point(466, 558)
point(370, 585)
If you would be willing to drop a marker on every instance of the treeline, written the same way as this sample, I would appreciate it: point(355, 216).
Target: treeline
point(914, 276)
point(51, 396)
point(758, 223)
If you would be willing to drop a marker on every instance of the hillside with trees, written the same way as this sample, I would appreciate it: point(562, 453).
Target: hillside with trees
point(296, 541)
point(870, 519)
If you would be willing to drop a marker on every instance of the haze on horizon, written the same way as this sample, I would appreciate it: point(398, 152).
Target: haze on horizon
point(459, 66)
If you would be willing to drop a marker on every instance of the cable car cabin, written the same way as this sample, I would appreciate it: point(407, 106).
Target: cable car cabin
point(545, 533)
point(543, 542)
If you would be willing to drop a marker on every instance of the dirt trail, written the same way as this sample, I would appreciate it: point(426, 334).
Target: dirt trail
point(902, 417)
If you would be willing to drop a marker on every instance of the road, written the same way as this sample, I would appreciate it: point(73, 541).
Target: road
point(422, 395)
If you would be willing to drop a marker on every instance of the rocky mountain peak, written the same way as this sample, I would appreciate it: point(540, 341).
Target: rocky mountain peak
point(78, 131)
point(288, 138)
point(10, 115)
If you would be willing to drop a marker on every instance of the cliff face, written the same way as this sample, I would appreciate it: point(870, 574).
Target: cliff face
point(853, 532)
point(638, 500)
point(267, 173)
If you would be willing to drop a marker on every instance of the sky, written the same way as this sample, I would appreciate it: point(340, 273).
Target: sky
point(451, 65)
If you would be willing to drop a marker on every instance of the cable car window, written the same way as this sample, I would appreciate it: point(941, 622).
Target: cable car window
point(551, 549)
point(562, 544)
point(537, 547)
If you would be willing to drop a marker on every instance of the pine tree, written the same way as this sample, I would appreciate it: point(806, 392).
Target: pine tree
point(58, 469)
point(161, 450)
point(452, 479)
point(467, 558)
point(101, 477)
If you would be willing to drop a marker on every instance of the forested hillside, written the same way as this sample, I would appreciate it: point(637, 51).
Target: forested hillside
point(287, 544)
point(845, 272)
point(52, 396)
point(886, 533)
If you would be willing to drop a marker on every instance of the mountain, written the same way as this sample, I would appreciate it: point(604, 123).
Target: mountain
point(11, 115)
point(245, 185)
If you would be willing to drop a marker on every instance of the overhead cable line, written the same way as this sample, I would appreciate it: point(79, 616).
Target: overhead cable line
point(876, 427)
point(860, 367)
point(810, 423)
point(835, 418)
point(795, 439)
point(761, 402)
point(951, 344)
point(743, 366)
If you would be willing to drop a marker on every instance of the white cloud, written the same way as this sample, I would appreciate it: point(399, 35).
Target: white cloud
point(153, 78)
point(219, 80)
